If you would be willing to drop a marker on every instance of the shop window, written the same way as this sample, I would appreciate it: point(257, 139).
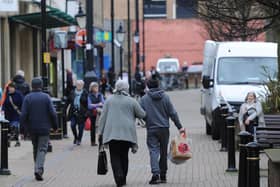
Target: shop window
point(154, 9)
point(186, 8)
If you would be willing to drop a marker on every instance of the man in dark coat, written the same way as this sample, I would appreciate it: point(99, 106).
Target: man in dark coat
point(38, 116)
point(159, 109)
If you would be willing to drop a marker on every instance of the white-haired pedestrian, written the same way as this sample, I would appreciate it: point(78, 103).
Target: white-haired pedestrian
point(117, 128)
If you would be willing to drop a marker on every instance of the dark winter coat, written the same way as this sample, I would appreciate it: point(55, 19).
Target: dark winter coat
point(38, 113)
point(82, 113)
point(11, 114)
point(21, 85)
point(159, 109)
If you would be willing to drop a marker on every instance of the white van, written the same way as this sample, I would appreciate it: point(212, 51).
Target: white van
point(168, 65)
point(230, 71)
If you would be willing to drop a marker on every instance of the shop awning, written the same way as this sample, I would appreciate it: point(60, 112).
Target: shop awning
point(55, 18)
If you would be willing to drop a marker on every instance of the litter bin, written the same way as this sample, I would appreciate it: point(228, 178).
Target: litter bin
point(58, 105)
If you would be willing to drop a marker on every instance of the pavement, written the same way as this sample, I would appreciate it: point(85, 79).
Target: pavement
point(75, 166)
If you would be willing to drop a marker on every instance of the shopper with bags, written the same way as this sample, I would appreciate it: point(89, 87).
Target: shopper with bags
point(159, 109)
point(78, 110)
point(95, 103)
point(118, 130)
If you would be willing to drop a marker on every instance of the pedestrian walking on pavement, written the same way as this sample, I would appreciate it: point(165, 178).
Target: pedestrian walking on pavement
point(95, 103)
point(38, 116)
point(20, 83)
point(117, 128)
point(111, 79)
point(159, 109)
point(78, 110)
point(12, 110)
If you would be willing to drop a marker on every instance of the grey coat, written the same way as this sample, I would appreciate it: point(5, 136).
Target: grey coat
point(117, 120)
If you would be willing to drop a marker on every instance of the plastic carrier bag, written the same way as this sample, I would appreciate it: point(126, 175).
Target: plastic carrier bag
point(180, 150)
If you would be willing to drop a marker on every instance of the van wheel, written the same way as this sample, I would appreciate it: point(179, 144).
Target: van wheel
point(215, 128)
point(208, 128)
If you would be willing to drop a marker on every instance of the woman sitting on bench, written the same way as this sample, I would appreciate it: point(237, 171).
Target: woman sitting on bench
point(251, 113)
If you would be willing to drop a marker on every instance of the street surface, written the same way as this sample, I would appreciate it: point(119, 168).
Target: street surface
point(75, 166)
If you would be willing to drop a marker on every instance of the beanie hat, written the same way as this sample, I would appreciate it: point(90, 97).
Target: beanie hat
point(37, 83)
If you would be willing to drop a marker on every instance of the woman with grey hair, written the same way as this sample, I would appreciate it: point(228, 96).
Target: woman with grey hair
point(117, 128)
point(95, 103)
point(249, 111)
point(78, 110)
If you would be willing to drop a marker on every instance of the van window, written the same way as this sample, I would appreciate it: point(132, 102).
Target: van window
point(168, 66)
point(246, 70)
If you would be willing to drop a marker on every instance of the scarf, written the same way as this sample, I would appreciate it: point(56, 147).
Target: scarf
point(77, 98)
point(121, 92)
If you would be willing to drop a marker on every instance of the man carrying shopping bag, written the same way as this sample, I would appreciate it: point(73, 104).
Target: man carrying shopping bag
point(158, 109)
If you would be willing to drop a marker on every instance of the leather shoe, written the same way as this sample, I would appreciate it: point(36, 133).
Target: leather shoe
point(38, 177)
point(155, 180)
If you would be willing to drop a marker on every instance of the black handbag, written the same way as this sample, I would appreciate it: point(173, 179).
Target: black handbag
point(102, 165)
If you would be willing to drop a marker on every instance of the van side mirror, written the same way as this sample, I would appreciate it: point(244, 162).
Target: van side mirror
point(207, 82)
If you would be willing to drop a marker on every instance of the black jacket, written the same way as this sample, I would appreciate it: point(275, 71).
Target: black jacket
point(82, 113)
point(38, 113)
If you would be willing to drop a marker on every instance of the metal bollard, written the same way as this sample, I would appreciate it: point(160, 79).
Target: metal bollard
point(4, 148)
point(224, 114)
point(253, 164)
point(64, 121)
point(231, 141)
point(245, 138)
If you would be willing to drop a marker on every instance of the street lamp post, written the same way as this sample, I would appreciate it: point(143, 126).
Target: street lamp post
point(113, 36)
point(120, 37)
point(128, 45)
point(136, 36)
point(44, 70)
point(81, 20)
point(90, 75)
point(143, 40)
point(86, 20)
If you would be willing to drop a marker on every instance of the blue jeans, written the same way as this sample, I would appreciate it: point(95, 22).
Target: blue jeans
point(157, 141)
point(81, 127)
point(14, 129)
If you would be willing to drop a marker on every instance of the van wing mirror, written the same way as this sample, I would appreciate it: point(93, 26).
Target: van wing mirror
point(207, 82)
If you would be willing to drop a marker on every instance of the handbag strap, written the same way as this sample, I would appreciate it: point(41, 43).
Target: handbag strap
point(14, 106)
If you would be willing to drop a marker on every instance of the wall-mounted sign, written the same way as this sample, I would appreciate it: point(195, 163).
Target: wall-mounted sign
point(47, 58)
point(8, 6)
